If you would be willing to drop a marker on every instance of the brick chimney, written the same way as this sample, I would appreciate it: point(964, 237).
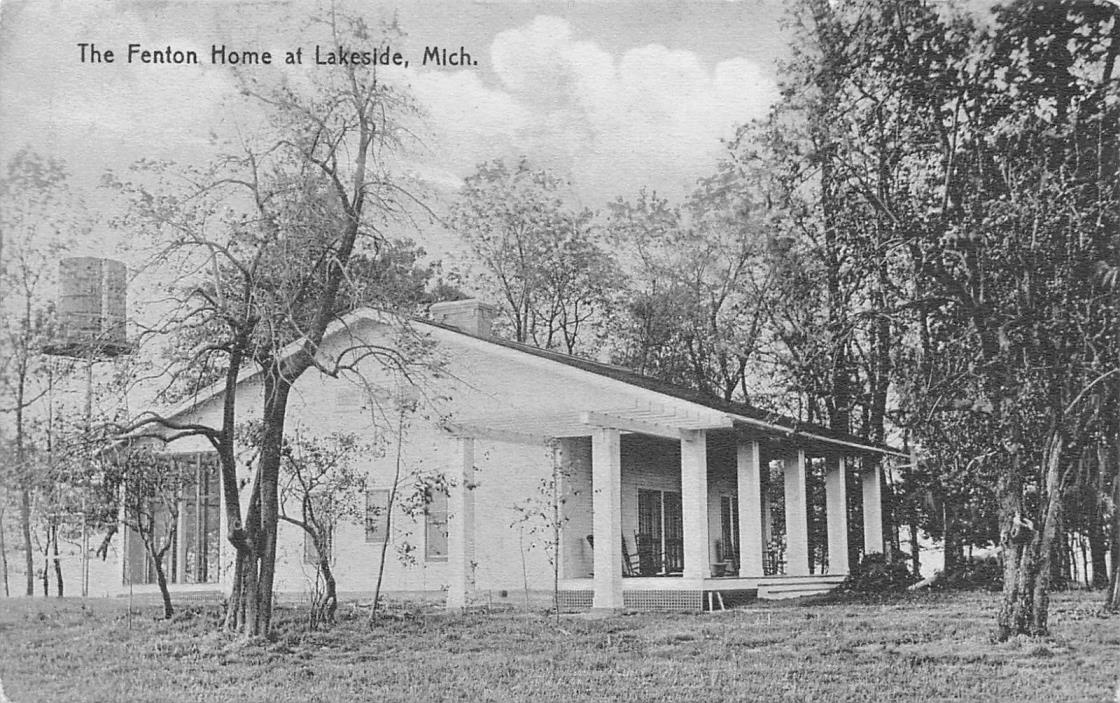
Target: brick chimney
point(470, 316)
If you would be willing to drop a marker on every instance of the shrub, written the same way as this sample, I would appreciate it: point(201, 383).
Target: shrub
point(874, 574)
point(983, 573)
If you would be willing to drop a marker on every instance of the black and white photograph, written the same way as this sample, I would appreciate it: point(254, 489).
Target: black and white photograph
point(513, 350)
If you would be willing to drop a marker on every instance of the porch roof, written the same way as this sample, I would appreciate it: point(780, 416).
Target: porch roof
point(707, 412)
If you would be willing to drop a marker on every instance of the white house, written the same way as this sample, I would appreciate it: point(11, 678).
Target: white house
point(666, 496)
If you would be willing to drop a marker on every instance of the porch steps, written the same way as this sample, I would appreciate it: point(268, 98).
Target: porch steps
point(783, 587)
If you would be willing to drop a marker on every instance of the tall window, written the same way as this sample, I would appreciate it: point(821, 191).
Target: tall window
point(729, 529)
point(310, 553)
point(377, 516)
point(435, 527)
point(200, 516)
point(660, 538)
point(196, 534)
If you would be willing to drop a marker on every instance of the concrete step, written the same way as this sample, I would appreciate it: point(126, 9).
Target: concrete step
point(780, 588)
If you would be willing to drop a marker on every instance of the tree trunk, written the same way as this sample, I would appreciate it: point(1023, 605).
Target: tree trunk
point(329, 606)
point(161, 580)
point(954, 550)
point(276, 405)
point(1061, 556)
point(1098, 548)
point(57, 561)
point(256, 563)
point(4, 555)
point(25, 528)
point(915, 549)
point(1027, 547)
point(1112, 597)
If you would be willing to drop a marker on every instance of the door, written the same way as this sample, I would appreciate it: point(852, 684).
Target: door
point(660, 538)
point(729, 532)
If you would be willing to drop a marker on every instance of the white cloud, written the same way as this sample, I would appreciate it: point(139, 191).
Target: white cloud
point(611, 123)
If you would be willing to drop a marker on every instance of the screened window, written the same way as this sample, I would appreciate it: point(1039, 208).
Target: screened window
point(435, 527)
point(310, 553)
point(729, 529)
point(377, 516)
point(660, 537)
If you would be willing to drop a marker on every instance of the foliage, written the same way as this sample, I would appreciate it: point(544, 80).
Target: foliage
point(538, 257)
point(695, 305)
point(267, 237)
point(876, 574)
point(319, 487)
point(983, 573)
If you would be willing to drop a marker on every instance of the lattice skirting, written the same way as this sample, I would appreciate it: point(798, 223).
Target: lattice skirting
point(574, 601)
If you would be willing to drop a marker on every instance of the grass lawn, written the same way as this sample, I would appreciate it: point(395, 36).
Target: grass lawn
point(931, 647)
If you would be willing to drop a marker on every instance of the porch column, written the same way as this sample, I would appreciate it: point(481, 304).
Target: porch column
point(606, 508)
point(836, 510)
point(460, 527)
point(797, 518)
point(872, 508)
point(694, 503)
point(749, 462)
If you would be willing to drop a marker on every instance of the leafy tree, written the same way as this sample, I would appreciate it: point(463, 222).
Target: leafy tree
point(37, 217)
point(268, 237)
point(150, 488)
point(539, 257)
point(319, 487)
point(695, 308)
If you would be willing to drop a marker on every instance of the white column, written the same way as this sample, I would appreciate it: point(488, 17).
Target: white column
point(872, 508)
point(606, 508)
point(460, 527)
point(749, 463)
point(694, 503)
point(797, 518)
point(836, 509)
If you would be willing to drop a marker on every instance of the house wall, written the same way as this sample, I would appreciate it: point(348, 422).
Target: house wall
point(476, 381)
point(577, 554)
point(509, 549)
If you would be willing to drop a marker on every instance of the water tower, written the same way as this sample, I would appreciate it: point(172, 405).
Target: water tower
point(91, 327)
point(91, 309)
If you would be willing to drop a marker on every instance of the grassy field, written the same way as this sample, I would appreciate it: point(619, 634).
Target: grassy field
point(929, 648)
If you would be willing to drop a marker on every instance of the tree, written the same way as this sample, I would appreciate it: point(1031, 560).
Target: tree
point(544, 517)
point(695, 309)
point(537, 255)
point(37, 215)
point(150, 489)
point(319, 487)
point(268, 237)
point(947, 190)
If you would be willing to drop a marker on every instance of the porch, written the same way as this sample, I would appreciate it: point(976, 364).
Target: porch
point(663, 508)
point(715, 593)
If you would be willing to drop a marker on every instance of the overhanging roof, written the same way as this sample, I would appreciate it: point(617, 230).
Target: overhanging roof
point(703, 411)
point(740, 414)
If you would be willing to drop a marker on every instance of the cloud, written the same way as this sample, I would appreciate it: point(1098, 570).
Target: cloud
point(611, 123)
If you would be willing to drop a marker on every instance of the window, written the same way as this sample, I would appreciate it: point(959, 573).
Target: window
point(729, 529)
point(347, 399)
point(660, 537)
point(377, 516)
point(435, 527)
point(310, 553)
point(195, 535)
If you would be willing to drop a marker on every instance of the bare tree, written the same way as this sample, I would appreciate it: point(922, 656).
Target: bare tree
point(320, 487)
point(267, 237)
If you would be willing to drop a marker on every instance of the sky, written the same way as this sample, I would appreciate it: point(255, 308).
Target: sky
point(610, 96)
